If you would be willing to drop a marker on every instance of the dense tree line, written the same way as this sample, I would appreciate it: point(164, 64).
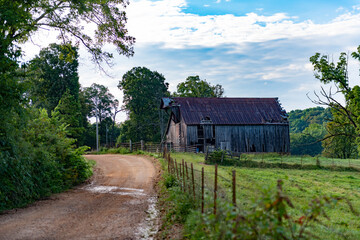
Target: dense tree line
point(42, 113)
point(307, 130)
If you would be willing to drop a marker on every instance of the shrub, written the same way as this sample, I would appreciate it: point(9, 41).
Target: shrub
point(218, 157)
point(39, 162)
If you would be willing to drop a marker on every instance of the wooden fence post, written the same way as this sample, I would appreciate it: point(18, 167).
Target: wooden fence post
point(171, 161)
point(177, 172)
point(202, 190)
point(130, 146)
point(142, 145)
point(183, 170)
point(187, 176)
point(193, 180)
point(215, 188)
point(180, 176)
point(168, 165)
point(234, 187)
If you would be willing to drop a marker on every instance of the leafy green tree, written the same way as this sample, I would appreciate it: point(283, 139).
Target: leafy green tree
point(97, 100)
point(195, 87)
point(343, 114)
point(53, 72)
point(69, 113)
point(19, 19)
point(100, 101)
point(143, 90)
point(340, 141)
point(308, 142)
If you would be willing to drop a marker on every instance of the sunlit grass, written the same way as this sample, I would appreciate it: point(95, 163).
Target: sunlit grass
point(300, 185)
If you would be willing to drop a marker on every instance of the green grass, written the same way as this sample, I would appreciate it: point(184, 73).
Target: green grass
point(305, 160)
point(300, 185)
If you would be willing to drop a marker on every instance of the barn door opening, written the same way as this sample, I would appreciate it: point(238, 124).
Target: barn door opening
point(206, 131)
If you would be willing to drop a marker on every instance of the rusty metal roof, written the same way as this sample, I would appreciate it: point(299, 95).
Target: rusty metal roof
point(231, 111)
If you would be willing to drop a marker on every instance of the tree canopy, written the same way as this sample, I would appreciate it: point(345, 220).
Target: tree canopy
point(100, 101)
point(195, 87)
point(345, 125)
point(53, 72)
point(307, 130)
point(20, 19)
point(301, 119)
point(143, 90)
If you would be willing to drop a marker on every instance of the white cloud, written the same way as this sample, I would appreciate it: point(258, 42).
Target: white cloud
point(251, 55)
point(340, 9)
point(164, 22)
point(356, 7)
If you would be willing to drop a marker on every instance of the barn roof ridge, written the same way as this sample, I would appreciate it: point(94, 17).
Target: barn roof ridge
point(228, 111)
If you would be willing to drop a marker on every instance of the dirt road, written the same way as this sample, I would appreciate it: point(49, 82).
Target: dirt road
point(119, 203)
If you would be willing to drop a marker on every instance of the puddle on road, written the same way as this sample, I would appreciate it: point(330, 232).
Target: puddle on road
point(115, 190)
point(150, 226)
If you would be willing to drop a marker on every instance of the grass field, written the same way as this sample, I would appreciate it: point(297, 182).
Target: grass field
point(302, 160)
point(300, 185)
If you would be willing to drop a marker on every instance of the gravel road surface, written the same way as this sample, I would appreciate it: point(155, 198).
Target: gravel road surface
point(118, 203)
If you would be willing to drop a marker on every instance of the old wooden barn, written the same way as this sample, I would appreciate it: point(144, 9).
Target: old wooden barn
point(235, 124)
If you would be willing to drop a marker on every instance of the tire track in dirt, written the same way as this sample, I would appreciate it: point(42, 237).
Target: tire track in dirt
point(114, 205)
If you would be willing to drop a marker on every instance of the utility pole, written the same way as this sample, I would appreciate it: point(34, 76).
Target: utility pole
point(97, 127)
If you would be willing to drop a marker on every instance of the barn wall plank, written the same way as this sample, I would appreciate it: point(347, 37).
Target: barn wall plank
point(258, 138)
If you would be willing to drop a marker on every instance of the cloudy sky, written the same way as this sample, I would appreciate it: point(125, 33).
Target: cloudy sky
point(252, 48)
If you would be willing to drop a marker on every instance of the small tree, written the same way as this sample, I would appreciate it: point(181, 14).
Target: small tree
point(344, 115)
point(68, 111)
point(100, 101)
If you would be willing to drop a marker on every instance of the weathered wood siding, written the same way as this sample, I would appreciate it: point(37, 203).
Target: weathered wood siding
point(208, 131)
point(253, 138)
point(177, 133)
point(192, 135)
point(172, 133)
point(183, 133)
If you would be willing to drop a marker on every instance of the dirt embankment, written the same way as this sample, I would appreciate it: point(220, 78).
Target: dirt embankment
point(119, 203)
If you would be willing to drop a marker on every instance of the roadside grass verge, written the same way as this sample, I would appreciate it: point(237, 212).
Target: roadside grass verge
point(175, 206)
point(301, 185)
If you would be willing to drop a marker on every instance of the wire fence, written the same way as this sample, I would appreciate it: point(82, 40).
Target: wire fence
point(212, 191)
point(156, 147)
point(260, 160)
point(202, 185)
point(269, 160)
